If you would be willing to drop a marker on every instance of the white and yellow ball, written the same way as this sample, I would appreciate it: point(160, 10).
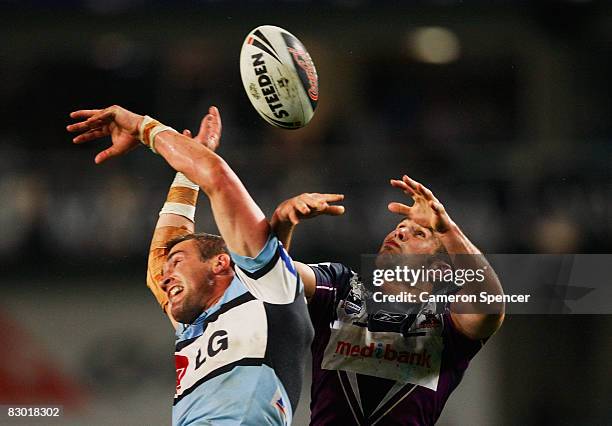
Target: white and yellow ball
point(279, 77)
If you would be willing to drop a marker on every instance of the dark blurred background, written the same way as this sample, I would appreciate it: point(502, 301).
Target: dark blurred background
point(501, 108)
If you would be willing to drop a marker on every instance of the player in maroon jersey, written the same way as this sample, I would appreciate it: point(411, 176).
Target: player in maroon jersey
point(380, 366)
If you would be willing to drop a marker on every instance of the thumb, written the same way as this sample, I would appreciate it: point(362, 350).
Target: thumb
point(334, 210)
point(105, 155)
point(399, 208)
point(187, 133)
point(204, 128)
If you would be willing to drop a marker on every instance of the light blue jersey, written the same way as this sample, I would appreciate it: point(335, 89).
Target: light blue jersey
point(242, 360)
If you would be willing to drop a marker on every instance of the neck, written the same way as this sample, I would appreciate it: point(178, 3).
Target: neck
point(213, 301)
point(222, 282)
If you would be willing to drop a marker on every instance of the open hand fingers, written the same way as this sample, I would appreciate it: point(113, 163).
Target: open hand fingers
point(204, 127)
point(443, 221)
point(293, 217)
point(210, 129)
point(419, 188)
point(315, 202)
point(320, 198)
point(400, 184)
point(95, 121)
point(82, 126)
point(428, 194)
point(84, 113)
point(102, 118)
point(90, 135)
point(334, 210)
point(437, 207)
point(439, 210)
point(424, 191)
point(105, 155)
point(302, 207)
point(414, 186)
point(410, 182)
point(399, 208)
point(216, 125)
point(214, 128)
point(332, 198)
point(319, 202)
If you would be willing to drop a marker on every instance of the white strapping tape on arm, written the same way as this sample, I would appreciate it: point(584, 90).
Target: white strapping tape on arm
point(154, 128)
point(182, 180)
point(179, 209)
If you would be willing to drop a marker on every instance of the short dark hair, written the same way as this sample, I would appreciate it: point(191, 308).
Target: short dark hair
point(208, 244)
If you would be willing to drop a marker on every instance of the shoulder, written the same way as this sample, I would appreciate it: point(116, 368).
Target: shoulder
point(334, 282)
point(332, 273)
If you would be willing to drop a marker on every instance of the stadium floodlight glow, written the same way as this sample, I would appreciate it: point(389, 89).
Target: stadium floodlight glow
point(434, 45)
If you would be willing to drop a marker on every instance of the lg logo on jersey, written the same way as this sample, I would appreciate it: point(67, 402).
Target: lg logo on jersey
point(217, 342)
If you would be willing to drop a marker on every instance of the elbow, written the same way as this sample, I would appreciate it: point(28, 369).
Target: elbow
point(489, 324)
point(478, 326)
point(214, 175)
point(222, 177)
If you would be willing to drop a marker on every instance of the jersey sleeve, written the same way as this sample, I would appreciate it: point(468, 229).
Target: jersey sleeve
point(332, 284)
point(462, 348)
point(271, 275)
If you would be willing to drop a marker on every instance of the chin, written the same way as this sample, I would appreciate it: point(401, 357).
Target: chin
point(385, 259)
point(187, 317)
point(180, 316)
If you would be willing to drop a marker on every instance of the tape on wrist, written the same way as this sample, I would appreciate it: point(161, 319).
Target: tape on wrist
point(157, 130)
point(149, 128)
point(180, 209)
point(182, 180)
point(182, 198)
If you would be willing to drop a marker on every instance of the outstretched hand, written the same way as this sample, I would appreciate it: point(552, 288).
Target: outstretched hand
point(307, 205)
point(426, 211)
point(210, 130)
point(117, 122)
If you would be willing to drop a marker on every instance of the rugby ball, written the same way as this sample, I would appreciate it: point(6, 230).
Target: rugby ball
point(279, 77)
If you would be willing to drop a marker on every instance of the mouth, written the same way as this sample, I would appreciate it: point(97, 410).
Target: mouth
point(391, 244)
point(174, 291)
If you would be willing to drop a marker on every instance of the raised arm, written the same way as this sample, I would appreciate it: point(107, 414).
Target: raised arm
point(481, 321)
point(177, 215)
point(290, 213)
point(241, 222)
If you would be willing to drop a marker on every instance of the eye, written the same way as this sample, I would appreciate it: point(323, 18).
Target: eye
point(420, 234)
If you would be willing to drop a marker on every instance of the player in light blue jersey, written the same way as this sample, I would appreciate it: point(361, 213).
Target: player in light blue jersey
point(236, 301)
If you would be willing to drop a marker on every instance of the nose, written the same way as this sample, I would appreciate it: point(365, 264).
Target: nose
point(400, 234)
point(165, 281)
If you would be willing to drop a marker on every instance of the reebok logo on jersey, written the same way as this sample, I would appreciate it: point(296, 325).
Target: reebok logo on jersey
point(390, 317)
point(346, 349)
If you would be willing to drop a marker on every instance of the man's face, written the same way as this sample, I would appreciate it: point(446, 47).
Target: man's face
point(411, 245)
point(187, 281)
point(408, 237)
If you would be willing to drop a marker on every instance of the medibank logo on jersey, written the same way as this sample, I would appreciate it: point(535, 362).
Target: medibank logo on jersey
point(386, 353)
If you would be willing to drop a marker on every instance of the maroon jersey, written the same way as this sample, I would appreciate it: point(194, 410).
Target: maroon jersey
point(381, 367)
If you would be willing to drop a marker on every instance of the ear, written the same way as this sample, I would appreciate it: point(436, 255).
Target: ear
point(221, 263)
